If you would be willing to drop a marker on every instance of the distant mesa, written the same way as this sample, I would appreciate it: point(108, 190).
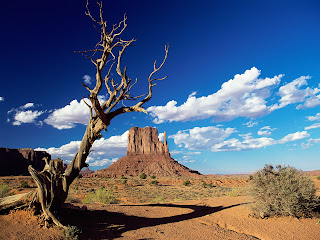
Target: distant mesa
point(146, 154)
point(16, 161)
point(86, 171)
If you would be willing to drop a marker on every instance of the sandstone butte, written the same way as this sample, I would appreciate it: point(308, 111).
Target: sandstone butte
point(16, 161)
point(146, 154)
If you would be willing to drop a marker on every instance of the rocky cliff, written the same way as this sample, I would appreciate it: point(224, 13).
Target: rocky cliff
point(146, 154)
point(145, 141)
point(16, 161)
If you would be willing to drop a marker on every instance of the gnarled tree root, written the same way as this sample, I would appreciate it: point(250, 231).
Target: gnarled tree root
point(47, 191)
point(48, 197)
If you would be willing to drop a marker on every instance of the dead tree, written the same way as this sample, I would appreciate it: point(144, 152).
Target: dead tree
point(53, 182)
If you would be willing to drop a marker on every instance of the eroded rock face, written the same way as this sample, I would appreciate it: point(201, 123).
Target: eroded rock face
point(146, 154)
point(145, 141)
point(16, 161)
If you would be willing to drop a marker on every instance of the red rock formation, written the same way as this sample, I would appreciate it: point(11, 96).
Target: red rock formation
point(146, 154)
point(86, 171)
point(145, 141)
point(16, 161)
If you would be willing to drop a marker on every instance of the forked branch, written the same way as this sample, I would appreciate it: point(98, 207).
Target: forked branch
point(119, 89)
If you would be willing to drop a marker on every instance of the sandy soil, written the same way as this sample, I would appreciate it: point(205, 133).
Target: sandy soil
point(224, 217)
point(215, 218)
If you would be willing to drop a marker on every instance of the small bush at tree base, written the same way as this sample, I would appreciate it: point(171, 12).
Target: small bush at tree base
point(282, 191)
point(71, 233)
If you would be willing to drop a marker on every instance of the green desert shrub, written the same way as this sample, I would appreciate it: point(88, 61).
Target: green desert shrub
point(153, 176)
point(237, 191)
point(186, 183)
point(158, 199)
point(318, 177)
point(154, 182)
point(143, 176)
point(207, 185)
point(282, 191)
point(24, 185)
point(102, 195)
point(71, 233)
point(4, 190)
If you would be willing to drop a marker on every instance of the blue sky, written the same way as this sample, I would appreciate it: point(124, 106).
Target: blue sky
point(242, 88)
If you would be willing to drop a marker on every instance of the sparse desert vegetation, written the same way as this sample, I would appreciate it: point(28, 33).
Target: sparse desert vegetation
point(102, 195)
point(4, 190)
point(283, 191)
point(139, 207)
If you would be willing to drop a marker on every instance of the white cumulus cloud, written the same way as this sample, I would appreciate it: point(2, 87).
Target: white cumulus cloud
point(294, 136)
point(68, 116)
point(27, 105)
point(74, 113)
point(243, 96)
point(297, 92)
point(216, 139)
point(102, 162)
point(251, 123)
point(310, 143)
point(103, 150)
point(254, 143)
point(21, 115)
point(1, 99)
point(246, 95)
point(314, 118)
point(248, 143)
point(201, 137)
point(265, 131)
point(86, 79)
point(26, 117)
point(315, 125)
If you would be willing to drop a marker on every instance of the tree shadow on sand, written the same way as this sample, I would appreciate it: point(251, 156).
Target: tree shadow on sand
point(101, 224)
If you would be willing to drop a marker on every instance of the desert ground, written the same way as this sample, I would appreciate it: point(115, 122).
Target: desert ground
point(209, 207)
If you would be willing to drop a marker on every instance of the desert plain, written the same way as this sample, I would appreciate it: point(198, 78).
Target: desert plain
point(205, 207)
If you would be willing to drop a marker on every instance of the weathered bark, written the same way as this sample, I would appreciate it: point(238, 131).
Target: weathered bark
point(53, 182)
point(50, 195)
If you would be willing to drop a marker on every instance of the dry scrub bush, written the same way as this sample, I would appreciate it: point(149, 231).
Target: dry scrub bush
point(282, 191)
point(71, 233)
point(154, 182)
point(4, 190)
point(143, 176)
point(186, 183)
point(102, 195)
point(237, 191)
point(24, 185)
